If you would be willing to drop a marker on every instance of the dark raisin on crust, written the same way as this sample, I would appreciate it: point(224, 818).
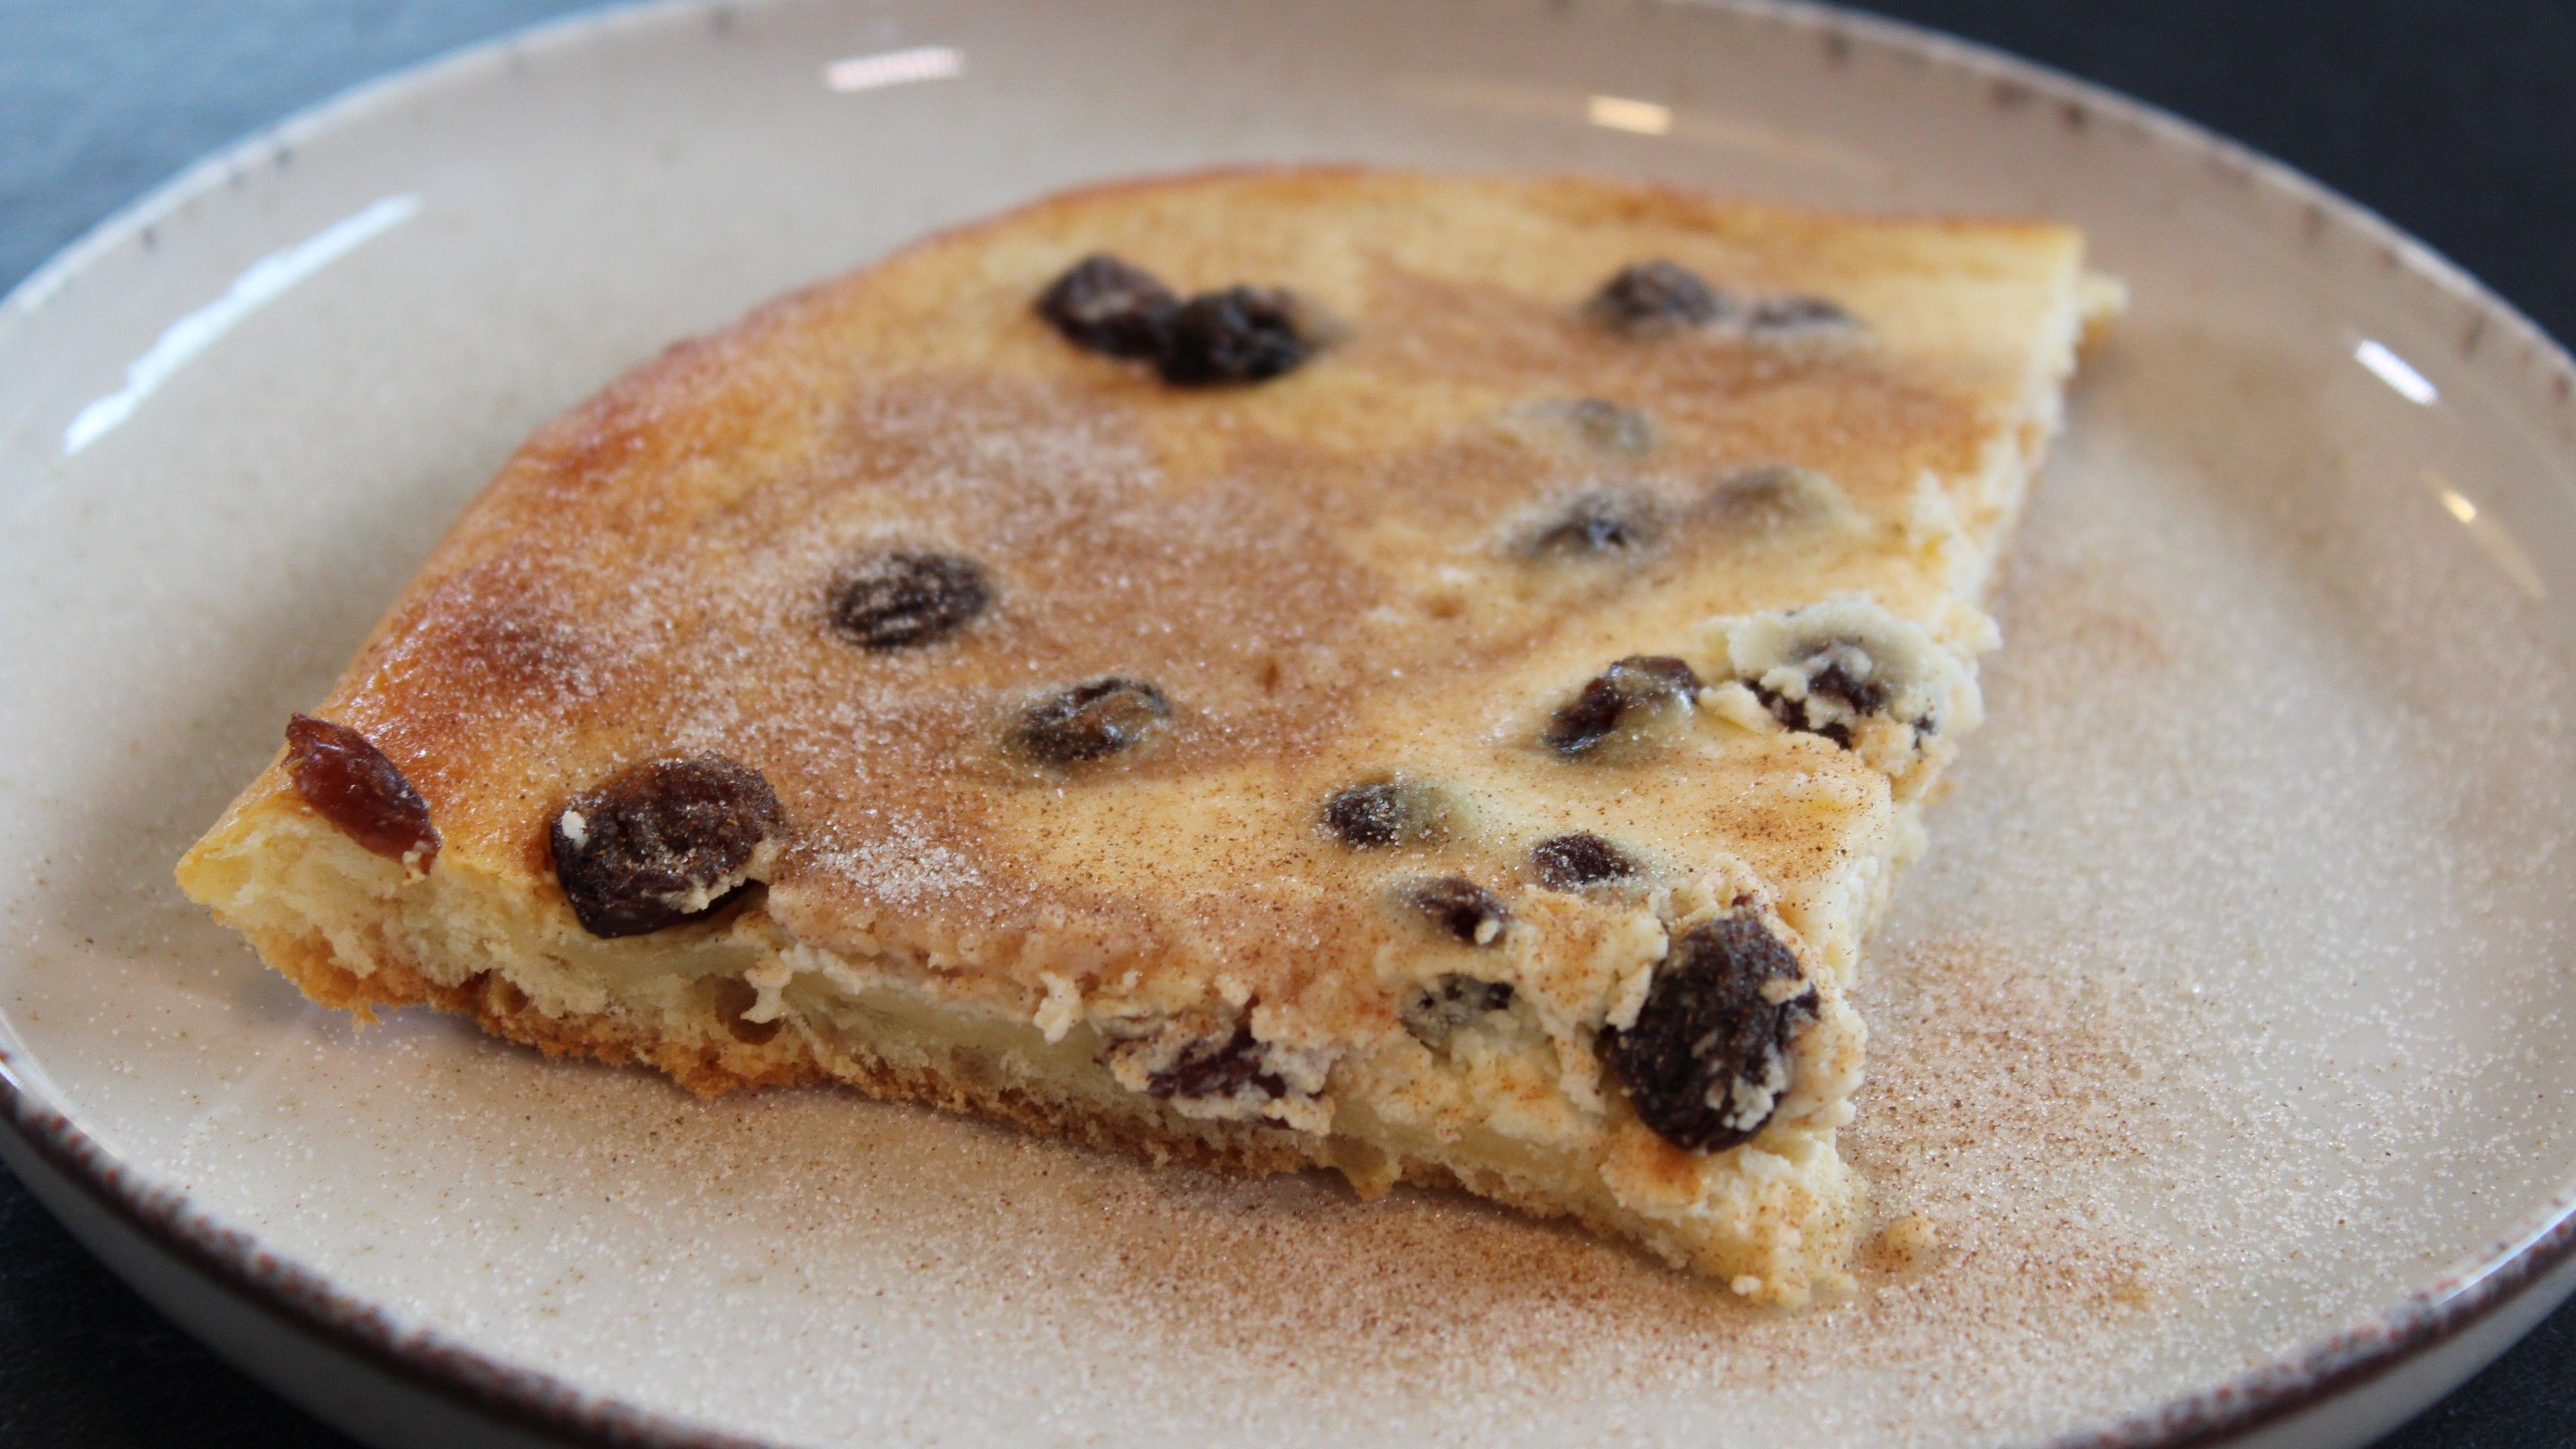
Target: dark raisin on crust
point(1090, 721)
point(1433, 1013)
point(1461, 907)
point(1797, 314)
point(1600, 523)
point(1233, 334)
point(1587, 719)
point(1213, 1068)
point(1238, 334)
point(1639, 681)
point(641, 851)
point(345, 778)
point(1365, 816)
point(1384, 812)
point(899, 598)
point(1708, 1059)
point(734, 996)
point(1571, 862)
point(1656, 296)
point(1381, 812)
point(1112, 306)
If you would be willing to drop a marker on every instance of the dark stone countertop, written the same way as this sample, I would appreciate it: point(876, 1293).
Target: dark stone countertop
point(2457, 121)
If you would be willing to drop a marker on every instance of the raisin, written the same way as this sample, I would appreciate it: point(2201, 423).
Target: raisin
point(1089, 721)
point(1797, 314)
point(1571, 862)
point(346, 778)
point(1434, 1013)
point(1461, 907)
point(1240, 334)
point(1832, 682)
point(734, 996)
point(1609, 427)
point(898, 599)
point(1708, 1060)
point(1384, 812)
point(1112, 306)
point(1602, 522)
point(1844, 680)
point(1650, 298)
point(1365, 815)
point(1211, 1068)
point(1588, 718)
point(1635, 684)
point(664, 842)
point(1793, 714)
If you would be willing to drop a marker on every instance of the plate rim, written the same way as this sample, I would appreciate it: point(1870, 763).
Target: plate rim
point(2463, 1295)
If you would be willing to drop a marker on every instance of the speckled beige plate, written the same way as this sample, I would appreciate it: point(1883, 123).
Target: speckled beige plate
point(2221, 1034)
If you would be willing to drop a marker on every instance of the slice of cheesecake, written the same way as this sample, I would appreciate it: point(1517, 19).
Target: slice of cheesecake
point(1425, 676)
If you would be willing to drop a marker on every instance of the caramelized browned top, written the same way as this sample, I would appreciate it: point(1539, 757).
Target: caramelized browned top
point(1329, 576)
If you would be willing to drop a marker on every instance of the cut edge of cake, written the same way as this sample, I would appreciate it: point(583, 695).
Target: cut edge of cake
point(355, 931)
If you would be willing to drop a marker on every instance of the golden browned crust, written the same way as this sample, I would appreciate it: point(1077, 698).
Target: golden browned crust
point(1272, 557)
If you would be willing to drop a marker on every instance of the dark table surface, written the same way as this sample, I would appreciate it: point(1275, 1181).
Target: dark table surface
point(2455, 118)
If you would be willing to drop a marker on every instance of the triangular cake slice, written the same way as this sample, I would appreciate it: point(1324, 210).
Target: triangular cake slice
point(1433, 677)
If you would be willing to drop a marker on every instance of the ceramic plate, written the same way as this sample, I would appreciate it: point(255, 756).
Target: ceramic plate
point(2221, 1035)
